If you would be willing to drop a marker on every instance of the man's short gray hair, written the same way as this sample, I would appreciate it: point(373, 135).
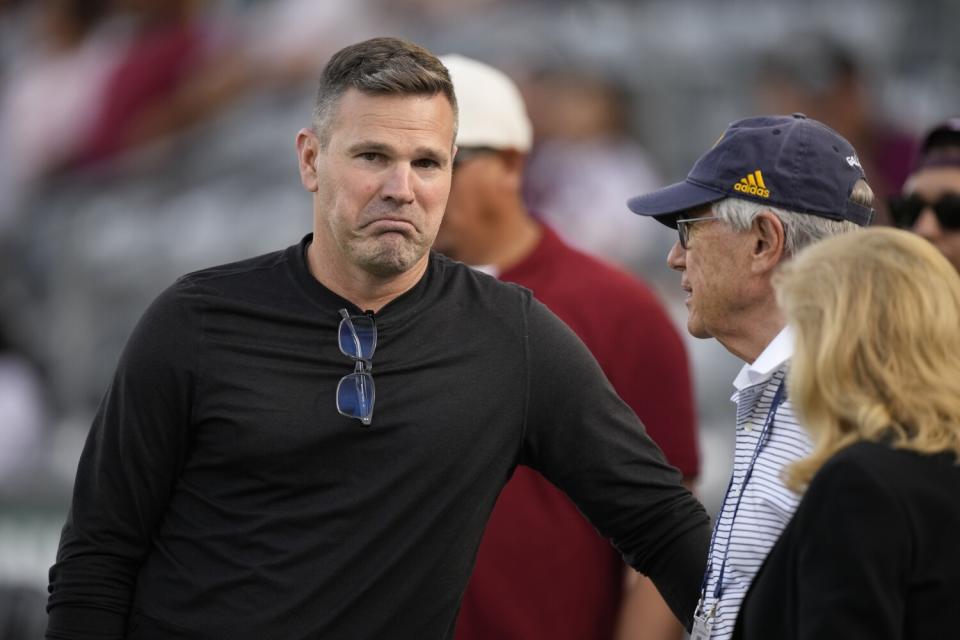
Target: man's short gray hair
point(379, 66)
point(800, 229)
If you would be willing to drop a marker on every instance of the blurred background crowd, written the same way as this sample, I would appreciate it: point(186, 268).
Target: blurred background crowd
point(142, 139)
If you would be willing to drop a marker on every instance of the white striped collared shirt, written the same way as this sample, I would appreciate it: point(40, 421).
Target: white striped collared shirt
point(767, 505)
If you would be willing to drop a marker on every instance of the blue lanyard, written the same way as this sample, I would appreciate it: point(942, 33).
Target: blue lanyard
point(778, 399)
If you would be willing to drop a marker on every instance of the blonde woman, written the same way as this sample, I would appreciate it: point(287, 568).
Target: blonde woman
point(873, 550)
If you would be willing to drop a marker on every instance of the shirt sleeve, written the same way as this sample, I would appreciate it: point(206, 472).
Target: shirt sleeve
point(130, 462)
point(854, 546)
point(590, 444)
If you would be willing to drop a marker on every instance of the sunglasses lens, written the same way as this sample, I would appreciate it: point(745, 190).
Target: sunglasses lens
point(905, 211)
point(948, 211)
point(355, 395)
point(358, 337)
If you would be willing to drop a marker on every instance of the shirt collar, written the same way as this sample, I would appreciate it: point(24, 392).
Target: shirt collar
point(770, 360)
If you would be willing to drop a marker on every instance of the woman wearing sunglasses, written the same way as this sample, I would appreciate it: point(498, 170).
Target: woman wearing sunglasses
point(872, 549)
point(930, 204)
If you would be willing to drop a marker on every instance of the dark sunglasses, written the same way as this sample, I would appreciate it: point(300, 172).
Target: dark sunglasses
point(465, 154)
point(906, 211)
point(357, 336)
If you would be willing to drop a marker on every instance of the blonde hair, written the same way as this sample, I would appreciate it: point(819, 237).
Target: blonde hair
point(876, 314)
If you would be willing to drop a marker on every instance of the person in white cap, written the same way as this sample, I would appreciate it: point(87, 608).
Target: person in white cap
point(542, 570)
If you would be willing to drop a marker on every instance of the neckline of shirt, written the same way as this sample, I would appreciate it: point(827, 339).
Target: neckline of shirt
point(318, 293)
point(770, 360)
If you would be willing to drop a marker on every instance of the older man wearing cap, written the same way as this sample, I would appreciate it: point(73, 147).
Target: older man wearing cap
point(930, 204)
point(542, 570)
point(767, 188)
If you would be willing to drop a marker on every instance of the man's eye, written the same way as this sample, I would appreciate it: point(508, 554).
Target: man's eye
point(371, 156)
point(426, 163)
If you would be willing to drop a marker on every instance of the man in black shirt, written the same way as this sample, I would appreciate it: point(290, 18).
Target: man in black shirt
point(308, 444)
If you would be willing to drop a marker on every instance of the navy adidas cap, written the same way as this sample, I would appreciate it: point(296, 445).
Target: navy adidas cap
point(789, 162)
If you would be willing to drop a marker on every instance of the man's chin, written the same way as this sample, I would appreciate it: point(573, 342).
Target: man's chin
point(697, 330)
point(394, 260)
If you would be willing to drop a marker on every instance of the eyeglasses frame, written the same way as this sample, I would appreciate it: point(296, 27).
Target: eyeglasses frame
point(683, 231)
point(362, 366)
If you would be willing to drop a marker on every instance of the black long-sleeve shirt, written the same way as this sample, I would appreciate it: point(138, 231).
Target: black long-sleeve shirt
point(221, 495)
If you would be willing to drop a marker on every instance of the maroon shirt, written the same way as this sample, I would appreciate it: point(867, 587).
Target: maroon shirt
point(542, 570)
point(154, 67)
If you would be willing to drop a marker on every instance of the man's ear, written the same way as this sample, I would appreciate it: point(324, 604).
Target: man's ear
point(770, 242)
point(308, 149)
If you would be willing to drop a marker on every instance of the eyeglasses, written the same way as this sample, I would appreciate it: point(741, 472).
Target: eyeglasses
point(684, 231)
point(906, 211)
point(468, 153)
point(357, 336)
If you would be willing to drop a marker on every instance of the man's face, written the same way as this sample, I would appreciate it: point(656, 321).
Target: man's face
point(467, 230)
point(382, 181)
point(713, 269)
point(931, 184)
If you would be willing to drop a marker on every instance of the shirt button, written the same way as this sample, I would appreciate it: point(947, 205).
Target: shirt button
point(748, 427)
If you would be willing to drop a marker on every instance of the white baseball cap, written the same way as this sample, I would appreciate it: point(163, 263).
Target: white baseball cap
point(491, 109)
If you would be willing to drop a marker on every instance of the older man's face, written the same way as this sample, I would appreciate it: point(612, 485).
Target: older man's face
point(713, 268)
point(931, 184)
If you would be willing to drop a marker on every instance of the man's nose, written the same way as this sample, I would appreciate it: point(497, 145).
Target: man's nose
point(927, 225)
point(677, 257)
point(399, 184)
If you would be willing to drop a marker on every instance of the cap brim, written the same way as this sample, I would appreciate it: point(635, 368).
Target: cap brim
point(666, 204)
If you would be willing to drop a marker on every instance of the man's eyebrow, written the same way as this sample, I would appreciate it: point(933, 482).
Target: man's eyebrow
point(380, 147)
point(370, 147)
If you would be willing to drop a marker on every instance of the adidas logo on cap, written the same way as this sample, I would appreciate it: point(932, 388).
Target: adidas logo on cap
point(753, 185)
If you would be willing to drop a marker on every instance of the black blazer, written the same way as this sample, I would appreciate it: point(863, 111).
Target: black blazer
point(873, 551)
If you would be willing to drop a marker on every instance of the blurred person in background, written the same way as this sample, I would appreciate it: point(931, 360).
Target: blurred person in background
point(584, 164)
point(131, 73)
point(165, 42)
point(236, 481)
point(186, 62)
point(543, 571)
point(826, 80)
point(871, 552)
point(768, 187)
point(930, 203)
point(121, 72)
point(50, 93)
